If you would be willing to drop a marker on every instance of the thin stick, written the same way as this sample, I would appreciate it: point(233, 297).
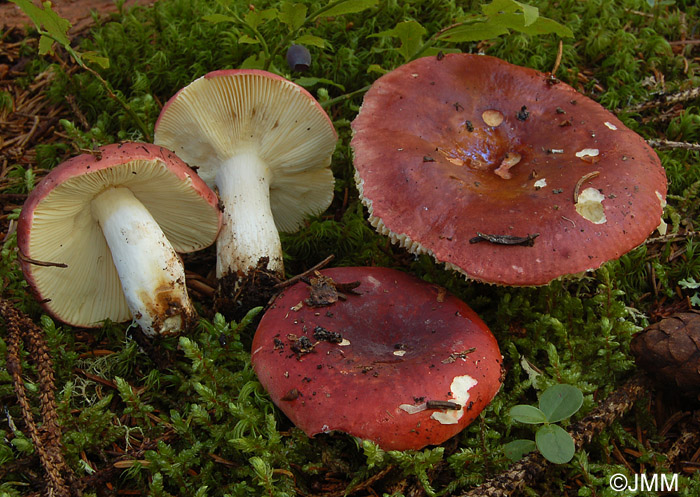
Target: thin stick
point(684, 42)
point(558, 60)
point(580, 182)
point(31, 132)
point(677, 237)
point(296, 278)
point(24, 258)
point(667, 144)
point(671, 98)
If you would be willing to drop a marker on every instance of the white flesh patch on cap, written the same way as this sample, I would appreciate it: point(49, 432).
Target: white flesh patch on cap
point(151, 273)
point(590, 205)
point(414, 408)
point(611, 126)
point(460, 395)
point(510, 160)
point(587, 152)
point(540, 183)
point(663, 227)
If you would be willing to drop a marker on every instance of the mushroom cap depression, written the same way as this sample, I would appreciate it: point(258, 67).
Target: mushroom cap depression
point(378, 365)
point(447, 148)
point(228, 112)
point(57, 225)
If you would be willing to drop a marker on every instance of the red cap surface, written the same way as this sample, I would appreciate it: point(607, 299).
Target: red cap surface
point(402, 364)
point(448, 148)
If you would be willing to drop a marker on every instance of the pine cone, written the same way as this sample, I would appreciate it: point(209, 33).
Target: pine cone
point(670, 351)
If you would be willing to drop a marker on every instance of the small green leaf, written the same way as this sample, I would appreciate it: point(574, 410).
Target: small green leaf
point(499, 6)
point(308, 82)
point(527, 414)
point(103, 62)
point(255, 61)
point(477, 31)
point(376, 68)
point(218, 18)
point(560, 402)
point(516, 449)
point(510, 14)
point(23, 444)
point(293, 15)
point(45, 45)
point(248, 40)
point(56, 26)
point(541, 26)
point(530, 14)
point(555, 444)
point(255, 18)
point(311, 40)
point(411, 35)
point(349, 7)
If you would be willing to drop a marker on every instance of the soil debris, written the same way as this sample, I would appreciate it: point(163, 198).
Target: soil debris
point(300, 345)
point(323, 335)
point(324, 291)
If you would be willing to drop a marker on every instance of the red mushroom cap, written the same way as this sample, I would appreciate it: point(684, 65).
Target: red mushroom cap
point(381, 365)
point(447, 148)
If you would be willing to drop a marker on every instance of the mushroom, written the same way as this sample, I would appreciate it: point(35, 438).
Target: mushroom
point(402, 363)
point(99, 235)
point(468, 148)
point(266, 145)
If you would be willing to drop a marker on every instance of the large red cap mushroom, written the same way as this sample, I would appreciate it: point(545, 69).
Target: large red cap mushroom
point(397, 361)
point(266, 144)
point(500, 172)
point(110, 224)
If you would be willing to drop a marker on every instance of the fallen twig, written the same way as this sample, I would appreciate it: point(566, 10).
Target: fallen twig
point(669, 99)
point(35, 262)
point(667, 144)
point(294, 279)
point(672, 237)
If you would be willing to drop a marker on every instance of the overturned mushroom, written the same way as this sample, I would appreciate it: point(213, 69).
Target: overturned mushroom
point(502, 164)
point(109, 225)
point(266, 145)
point(402, 364)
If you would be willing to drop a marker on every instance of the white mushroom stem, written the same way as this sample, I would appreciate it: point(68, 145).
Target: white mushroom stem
point(248, 232)
point(151, 273)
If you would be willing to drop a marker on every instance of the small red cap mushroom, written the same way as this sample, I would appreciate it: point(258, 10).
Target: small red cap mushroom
point(396, 360)
point(449, 149)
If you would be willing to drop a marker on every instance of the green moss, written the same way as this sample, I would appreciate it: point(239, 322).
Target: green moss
point(188, 416)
